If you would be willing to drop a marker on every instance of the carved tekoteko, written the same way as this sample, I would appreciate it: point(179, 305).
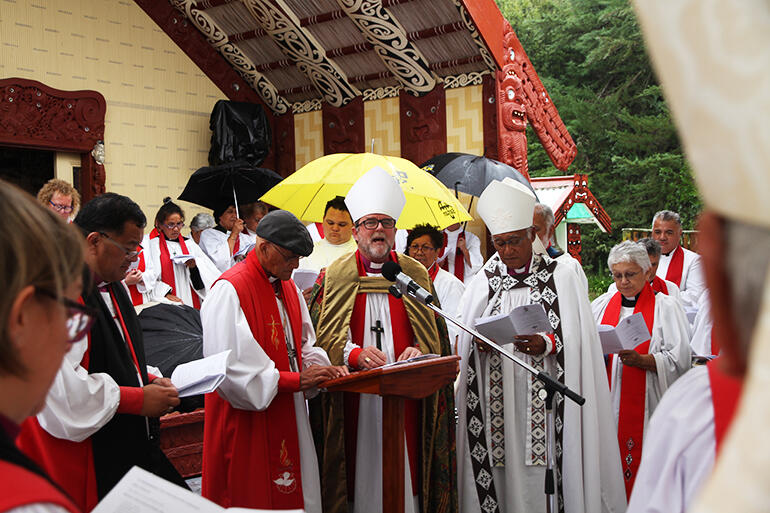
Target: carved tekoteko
point(343, 127)
point(423, 125)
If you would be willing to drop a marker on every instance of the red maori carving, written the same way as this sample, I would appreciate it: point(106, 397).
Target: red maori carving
point(283, 142)
point(512, 120)
point(34, 115)
point(540, 110)
point(343, 127)
point(581, 194)
point(423, 125)
point(574, 246)
point(489, 115)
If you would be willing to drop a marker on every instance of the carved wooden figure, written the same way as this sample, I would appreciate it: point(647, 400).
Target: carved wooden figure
point(343, 127)
point(423, 125)
point(283, 143)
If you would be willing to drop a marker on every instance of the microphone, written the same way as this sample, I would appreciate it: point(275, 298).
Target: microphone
point(392, 271)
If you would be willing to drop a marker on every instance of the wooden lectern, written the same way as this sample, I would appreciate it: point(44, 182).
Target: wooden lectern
point(395, 383)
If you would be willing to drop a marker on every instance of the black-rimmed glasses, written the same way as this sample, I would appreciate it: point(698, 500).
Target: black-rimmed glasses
point(288, 258)
point(65, 209)
point(372, 223)
point(80, 318)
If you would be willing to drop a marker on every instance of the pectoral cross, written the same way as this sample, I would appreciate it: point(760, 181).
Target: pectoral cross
point(378, 331)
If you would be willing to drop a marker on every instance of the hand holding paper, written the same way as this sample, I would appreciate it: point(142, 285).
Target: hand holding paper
point(629, 333)
point(523, 320)
point(181, 259)
point(200, 376)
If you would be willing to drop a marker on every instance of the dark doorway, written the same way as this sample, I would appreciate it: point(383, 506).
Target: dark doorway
point(29, 169)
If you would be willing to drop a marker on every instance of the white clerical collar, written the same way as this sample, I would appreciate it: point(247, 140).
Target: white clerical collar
point(375, 265)
point(272, 279)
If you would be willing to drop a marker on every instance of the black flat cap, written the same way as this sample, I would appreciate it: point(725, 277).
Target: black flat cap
point(282, 228)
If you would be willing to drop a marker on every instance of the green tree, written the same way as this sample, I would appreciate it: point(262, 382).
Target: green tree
point(591, 57)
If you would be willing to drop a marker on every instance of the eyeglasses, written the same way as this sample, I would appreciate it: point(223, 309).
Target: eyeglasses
point(373, 222)
point(289, 258)
point(80, 318)
point(171, 226)
point(628, 275)
point(414, 248)
point(130, 253)
point(66, 209)
point(513, 242)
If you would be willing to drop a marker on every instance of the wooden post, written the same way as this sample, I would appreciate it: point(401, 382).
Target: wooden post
point(393, 481)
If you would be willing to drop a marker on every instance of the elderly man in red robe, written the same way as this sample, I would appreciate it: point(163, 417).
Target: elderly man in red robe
point(257, 447)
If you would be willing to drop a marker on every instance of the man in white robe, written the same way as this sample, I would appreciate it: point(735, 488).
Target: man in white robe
point(543, 221)
point(677, 264)
point(461, 244)
point(501, 431)
point(237, 472)
point(338, 237)
point(365, 330)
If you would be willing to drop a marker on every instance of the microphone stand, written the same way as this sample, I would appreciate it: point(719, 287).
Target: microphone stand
point(551, 386)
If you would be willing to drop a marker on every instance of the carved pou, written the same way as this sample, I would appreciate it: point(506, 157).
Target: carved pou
point(512, 115)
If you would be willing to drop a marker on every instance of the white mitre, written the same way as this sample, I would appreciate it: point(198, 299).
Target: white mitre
point(375, 192)
point(713, 60)
point(506, 206)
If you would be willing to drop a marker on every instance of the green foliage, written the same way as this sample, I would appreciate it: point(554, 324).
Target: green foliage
point(591, 57)
point(598, 284)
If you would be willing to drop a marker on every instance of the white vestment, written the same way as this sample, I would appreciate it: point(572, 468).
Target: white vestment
point(670, 346)
point(214, 244)
point(591, 473)
point(183, 283)
point(701, 328)
point(473, 244)
point(449, 291)
point(324, 253)
point(315, 235)
point(368, 493)
point(693, 283)
point(252, 379)
point(679, 447)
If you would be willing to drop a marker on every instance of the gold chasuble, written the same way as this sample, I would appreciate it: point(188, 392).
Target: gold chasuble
point(331, 308)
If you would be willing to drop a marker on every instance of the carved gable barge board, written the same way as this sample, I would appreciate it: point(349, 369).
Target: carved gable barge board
point(343, 127)
point(33, 115)
point(489, 115)
point(423, 124)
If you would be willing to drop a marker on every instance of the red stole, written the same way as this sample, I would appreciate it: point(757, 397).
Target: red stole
point(136, 296)
point(714, 343)
point(459, 258)
point(20, 487)
point(433, 271)
point(69, 464)
point(251, 458)
point(633, 393)
point(403, 337)
point(725, 392)
point(167, 265)
point(659, 285)
point(675, 267)
point(320, 228)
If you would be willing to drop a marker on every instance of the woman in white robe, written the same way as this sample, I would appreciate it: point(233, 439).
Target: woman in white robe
point(175, 266)
point(666, 358)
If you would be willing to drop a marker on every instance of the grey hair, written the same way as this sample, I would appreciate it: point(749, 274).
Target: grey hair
point(747, 247)
point(631, 252)
point(202, 221)
point(667, 215)
point(547, 213)
point(651, 245)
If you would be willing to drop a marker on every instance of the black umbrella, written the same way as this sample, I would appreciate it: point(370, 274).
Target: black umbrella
point(214, 186)
point(470, 173)
point(173, 335)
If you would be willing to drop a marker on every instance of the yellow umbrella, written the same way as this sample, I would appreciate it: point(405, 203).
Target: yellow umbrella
point(306, 192)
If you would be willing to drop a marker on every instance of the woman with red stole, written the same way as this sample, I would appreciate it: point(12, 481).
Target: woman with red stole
point(41, 260)
point(180, 270)
point(638, 377)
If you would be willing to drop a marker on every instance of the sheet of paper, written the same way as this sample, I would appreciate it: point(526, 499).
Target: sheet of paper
point(498, 328)
point(244, 249)
point(142, 492)
point(531, 319)
point(181, 259)
point(201, 376)
point(304, 278)
point(632, 331)
point(609, 339)
point(428, 356)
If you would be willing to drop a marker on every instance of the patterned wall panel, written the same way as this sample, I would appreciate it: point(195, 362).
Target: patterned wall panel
point(158, 101)
point(308, 137)
point(381, 123)
point(464, 120)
